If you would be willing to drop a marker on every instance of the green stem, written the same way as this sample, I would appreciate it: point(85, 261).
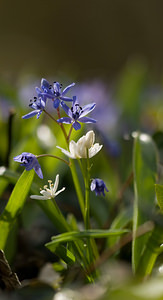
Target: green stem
point(71, 128)
point(60, 124)
point(49, 115)
point(59, 215)
point(87, 194)
point(57, 157)
point(77, 185)
point(76, 246)
point(62, 127)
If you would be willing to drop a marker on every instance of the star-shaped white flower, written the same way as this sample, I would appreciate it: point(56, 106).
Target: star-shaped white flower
point(79, 149)
point(49, 193)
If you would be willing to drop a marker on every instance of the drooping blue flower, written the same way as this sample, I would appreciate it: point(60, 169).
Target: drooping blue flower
point(54, 92)
point(98, 186)
point(38, 105)
point(29, 161)
point(77, 114)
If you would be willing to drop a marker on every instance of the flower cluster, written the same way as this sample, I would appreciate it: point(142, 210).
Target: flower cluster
point(83, 148)
point(54, 92)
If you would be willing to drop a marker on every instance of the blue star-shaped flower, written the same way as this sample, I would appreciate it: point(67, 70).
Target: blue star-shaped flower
point(98, 186)
point(54, 92)
point(38, 104)
point(77, 114)
point(29, 161)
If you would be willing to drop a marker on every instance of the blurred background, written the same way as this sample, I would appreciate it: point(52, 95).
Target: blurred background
point(80, 39)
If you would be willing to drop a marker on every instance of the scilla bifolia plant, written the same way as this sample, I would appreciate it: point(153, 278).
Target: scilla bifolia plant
point(73, 245)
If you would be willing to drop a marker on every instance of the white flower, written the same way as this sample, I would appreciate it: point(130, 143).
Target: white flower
point(79, 149)
point(49, 193)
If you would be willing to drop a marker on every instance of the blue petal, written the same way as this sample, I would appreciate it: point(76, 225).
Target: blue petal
point(49, 95)
point(65, 120)
point(56, 87)
point(44, 84)
point(66, 109)
point(56, 103)
point(19, 157)
point(28, 167)
point(31, 114)
point(39, 113)
point(87, 120)
point(66, 98)
point(67, 88)
point(38, 170)
point(76, 125)
point(87, 109)
point(38, 91)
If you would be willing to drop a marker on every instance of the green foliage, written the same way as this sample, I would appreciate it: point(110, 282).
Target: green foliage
point(14, 205)
point(144, 168)
point(75, 235)
point(159, 195)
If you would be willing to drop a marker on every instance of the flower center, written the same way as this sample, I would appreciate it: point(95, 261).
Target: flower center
point(76, 111)
point(25, 160)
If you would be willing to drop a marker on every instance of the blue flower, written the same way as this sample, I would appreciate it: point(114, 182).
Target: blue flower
point(29, 161)
point(77, 114)
point(38, 104)
point(98, 186)
point(54, 92)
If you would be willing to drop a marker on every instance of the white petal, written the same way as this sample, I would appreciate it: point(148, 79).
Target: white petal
point(73, 149)
point(38, 197)
point(66, 152)
point(59, 191)
point(55, 184)
point(81, 149)
point(94, 149)
point(89, 139)
point(46, 194)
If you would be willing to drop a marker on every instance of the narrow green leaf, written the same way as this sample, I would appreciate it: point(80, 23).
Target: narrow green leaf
point(14, 205)
point(65, 254)
point(120, 222)
point(144, 168)
point(54, 214)
point(74, 235)
point(152, 250)
point(159, 195)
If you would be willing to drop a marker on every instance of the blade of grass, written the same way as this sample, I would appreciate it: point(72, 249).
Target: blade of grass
point(14, 205)
point(144, 169)
point(75, 235)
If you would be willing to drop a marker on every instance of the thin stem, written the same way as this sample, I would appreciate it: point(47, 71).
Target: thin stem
point(60, 124)
point(60, 215)
point(77, 185)
point(87, 193)
point(91, 244)
point(76, 246)
point(49, 115)
point(62, 127)
point(53, 156)
point(71, 128)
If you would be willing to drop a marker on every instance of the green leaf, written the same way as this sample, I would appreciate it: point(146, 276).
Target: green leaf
point(120, 222)
point(144, 169)
point(159, 195)
point(75, 235)
point(14, 205)
point(65, 254)
point(152, 250)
